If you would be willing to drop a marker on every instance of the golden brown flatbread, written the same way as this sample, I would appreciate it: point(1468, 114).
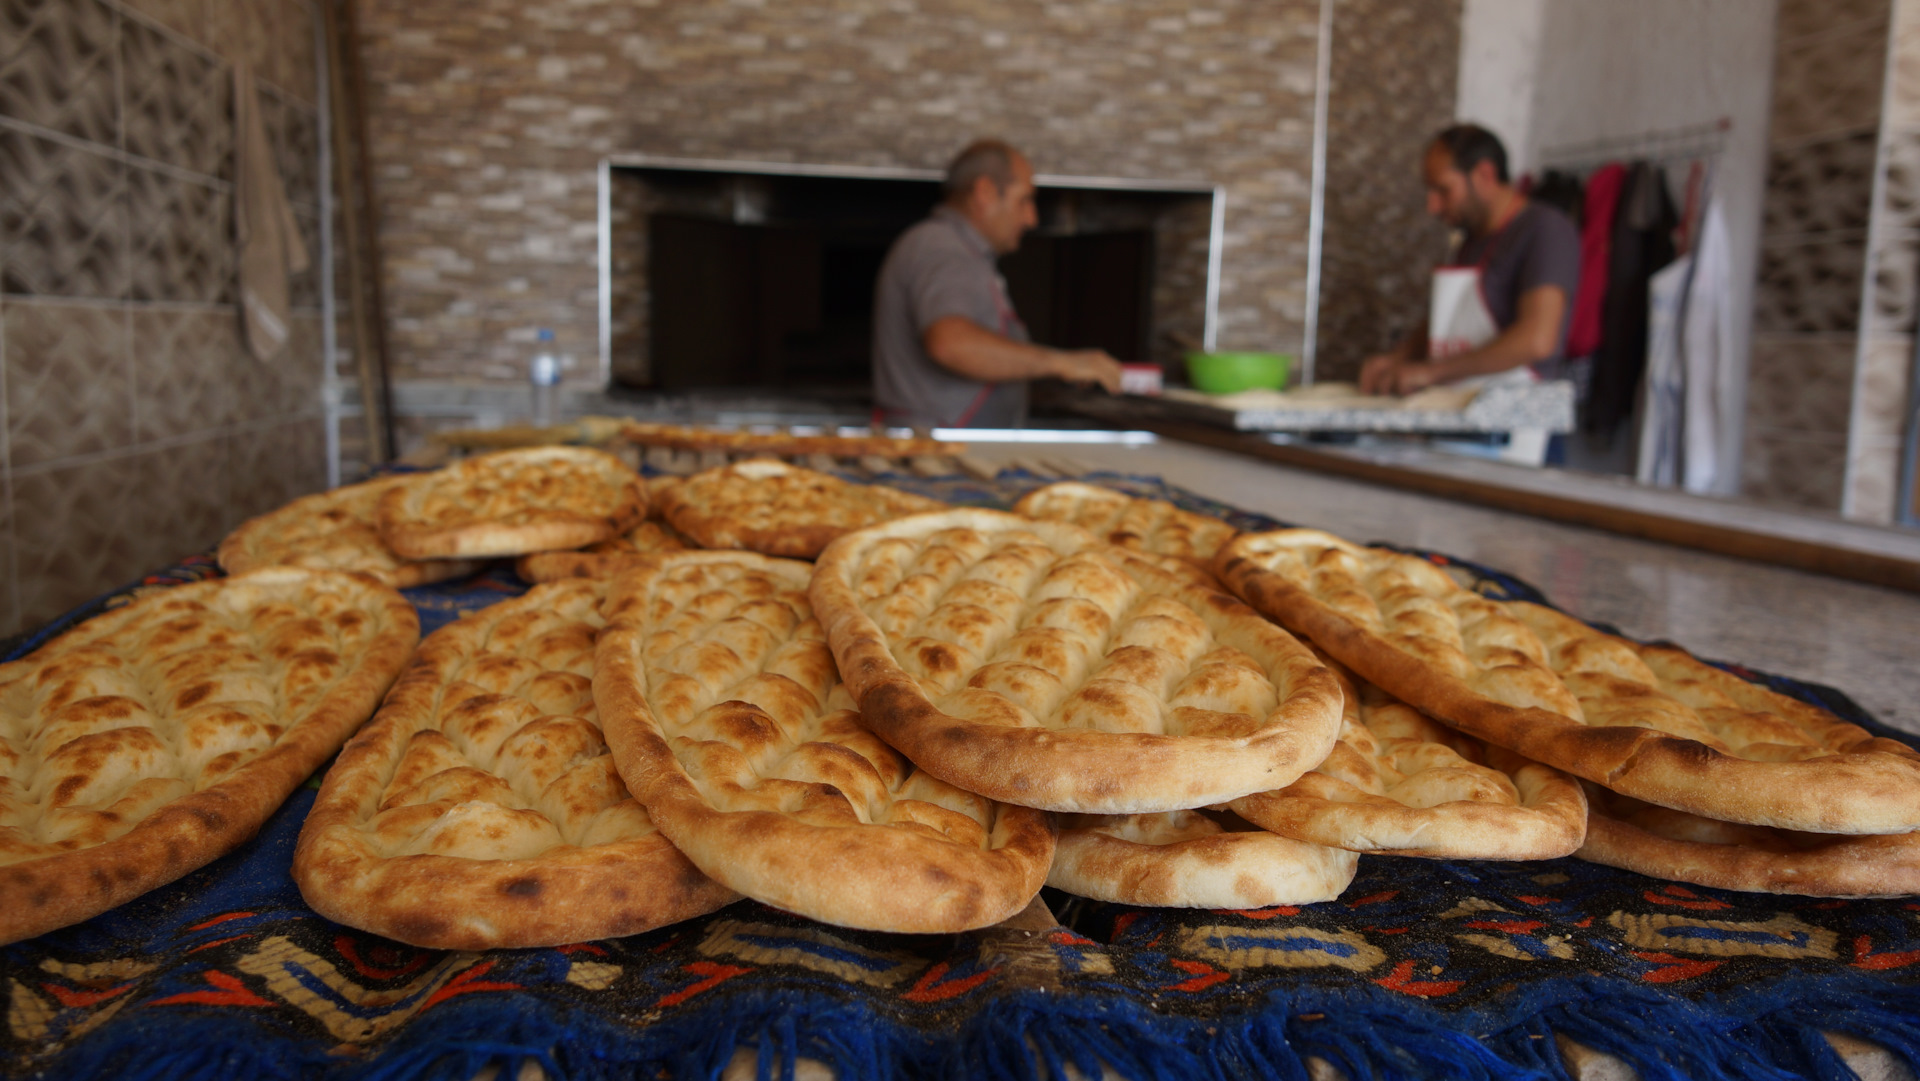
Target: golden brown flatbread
point(480, 808)
point(512, 502)
point(155, 737)
point(1193, 859)
point(1401, 783)
point(333, 530)
point(738, 441)
point(1648, 722)
point(606, 559)
point(723, 710)
point(1150, 525)
point(1029, 662)
point(1664, 843)
point(777, 509)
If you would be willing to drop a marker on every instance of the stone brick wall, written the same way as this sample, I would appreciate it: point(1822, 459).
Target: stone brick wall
point(1395, 68)
point(488, 119)
point(134, 426)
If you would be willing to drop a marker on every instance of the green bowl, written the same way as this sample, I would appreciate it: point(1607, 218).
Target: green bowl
point(1230, 373)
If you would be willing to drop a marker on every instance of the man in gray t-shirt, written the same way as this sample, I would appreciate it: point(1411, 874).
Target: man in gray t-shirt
point(1526, 254)
point(948, 349)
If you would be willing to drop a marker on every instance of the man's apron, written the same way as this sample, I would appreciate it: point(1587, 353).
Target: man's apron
point(1459, 321)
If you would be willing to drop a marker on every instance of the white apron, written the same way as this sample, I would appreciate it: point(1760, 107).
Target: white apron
point(1459, 321)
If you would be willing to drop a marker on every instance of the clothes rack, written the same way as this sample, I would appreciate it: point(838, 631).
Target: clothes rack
point(1659, 145)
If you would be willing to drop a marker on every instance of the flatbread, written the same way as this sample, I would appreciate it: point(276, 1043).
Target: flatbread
point(606, 559)
point(1646, 721)
point(1029, 662)
point(480, 808)
point(1151, 525)
point(723, 710)
point(739, 441)
point(1193, 859)
point(1664, 843)
point(333, 530)
point(512, 502)
point(156, 737)
point(777, 509)
point(1401, 783)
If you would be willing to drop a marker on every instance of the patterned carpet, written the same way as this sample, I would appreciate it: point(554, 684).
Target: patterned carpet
point(1422, 969)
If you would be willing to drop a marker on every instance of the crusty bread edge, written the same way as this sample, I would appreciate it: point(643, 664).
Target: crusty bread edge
point(486, 539)
point(192, 831)
point(1251, 869)
point(1844, 866)
point(872, 877)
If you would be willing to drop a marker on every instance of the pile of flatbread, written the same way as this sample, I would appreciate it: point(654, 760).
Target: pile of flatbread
point(878, 711)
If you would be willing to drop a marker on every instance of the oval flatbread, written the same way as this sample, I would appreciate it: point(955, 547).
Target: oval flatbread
point(723, 709)
point(335, 530)
point(512, 502)
point(1150, 525)
point(1664, 843)
point(1646, 721)
point(1029, 662)
point(153, 738)
point(777, 509)
point(480, 808)
point(1193, 859)
point(1401, 783)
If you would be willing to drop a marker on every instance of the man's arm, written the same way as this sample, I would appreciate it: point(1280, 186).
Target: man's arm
point(1534, 336)
point(1412, 347)
point(966, 348)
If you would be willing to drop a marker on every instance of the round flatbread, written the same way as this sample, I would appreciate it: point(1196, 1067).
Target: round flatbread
point(1193, 859)
point(777, 509)
point(480, 808)
point(513, 502)
point(1029, 662)
point(334, 530)
point(725, 714)
point(153, 738)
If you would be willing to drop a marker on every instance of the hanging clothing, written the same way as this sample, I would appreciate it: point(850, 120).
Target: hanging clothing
point(265, 233)
point(1596, 242)
point(1663, 394)
point(1707, 343)
point(1641, 244)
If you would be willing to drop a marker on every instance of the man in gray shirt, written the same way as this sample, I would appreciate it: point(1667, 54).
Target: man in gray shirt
point(948, 349)
point(1525, 256)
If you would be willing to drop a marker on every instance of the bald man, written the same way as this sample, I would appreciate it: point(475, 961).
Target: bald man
point(948, 349)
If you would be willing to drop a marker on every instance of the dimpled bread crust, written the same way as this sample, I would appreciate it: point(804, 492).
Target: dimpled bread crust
point(1189, 859)
point(777, 509)
point(1150, 525)
point(1399, 782)
point(335, 530)
point(480, 808)
point(1031, 663)
point(723, 709)
point(153, 738)
point(1646, 721)
point(512, 502)
point(1664, 843)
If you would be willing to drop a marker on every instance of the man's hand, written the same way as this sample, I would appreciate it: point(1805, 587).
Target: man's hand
point(1389, 374)
point(1084, 366)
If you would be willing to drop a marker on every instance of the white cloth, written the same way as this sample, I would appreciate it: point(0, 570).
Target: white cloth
point(1707, 344)
point(1459, 321)
point(1663, 389)
point(264, 231)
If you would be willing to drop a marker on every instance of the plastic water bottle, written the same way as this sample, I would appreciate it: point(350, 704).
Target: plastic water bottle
point(544, 373)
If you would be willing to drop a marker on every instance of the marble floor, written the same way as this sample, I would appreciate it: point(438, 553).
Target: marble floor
point(1864, 640)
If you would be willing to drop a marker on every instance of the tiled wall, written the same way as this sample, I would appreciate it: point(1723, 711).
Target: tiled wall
point(488, 118)
point(1394, 74)
point(134, 428)
point(1880, 382)
point(1827, 93)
